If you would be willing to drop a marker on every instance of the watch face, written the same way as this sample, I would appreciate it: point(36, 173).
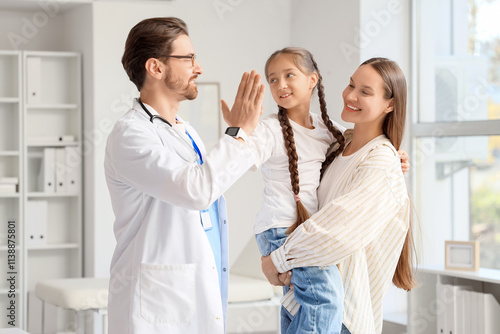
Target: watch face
point(232, 131)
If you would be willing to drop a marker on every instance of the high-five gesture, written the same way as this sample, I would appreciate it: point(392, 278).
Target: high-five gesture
point(247, 107)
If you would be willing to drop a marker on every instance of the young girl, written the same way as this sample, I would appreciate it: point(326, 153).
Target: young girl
point(364, 221)
point(291, 148)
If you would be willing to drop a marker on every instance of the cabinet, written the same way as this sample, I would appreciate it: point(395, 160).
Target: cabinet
point(428, 305)
point(40, 144)
point(11, 200)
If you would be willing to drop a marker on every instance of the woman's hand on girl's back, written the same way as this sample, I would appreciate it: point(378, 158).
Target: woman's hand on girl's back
point(405, 161)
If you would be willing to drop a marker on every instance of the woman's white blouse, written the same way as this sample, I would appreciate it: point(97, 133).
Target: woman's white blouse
point(361, 226)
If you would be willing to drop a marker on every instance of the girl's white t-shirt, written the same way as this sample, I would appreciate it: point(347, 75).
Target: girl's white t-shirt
point(278, 204)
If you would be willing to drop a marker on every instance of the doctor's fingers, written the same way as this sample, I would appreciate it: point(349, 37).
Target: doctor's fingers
point(259, 96)
point(242, 86)
point(251, 88)
point(225, 108)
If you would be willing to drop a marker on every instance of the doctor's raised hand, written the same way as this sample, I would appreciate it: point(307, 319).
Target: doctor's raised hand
point(247, 107)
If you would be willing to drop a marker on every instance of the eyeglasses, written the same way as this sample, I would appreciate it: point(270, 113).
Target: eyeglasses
point(192, 57)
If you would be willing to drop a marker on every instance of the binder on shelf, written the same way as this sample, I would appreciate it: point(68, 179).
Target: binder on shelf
point(34, 80)
point(480, 300)
point(491, 313)
point(441, 317)
point(461, 312)
point(60, 170)
point(47, 171)
point(467, 299)
point(73, 169)
point(36, 223)
point(473, 314)
point(8, 185)
point(9, 180)
point(66, 138)
point(8, 188)
point(456, 311)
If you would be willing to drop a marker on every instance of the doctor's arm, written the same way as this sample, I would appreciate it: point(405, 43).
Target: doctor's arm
point(141, 160)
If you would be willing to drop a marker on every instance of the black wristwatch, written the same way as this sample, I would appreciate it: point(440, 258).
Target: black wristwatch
point(237, 133)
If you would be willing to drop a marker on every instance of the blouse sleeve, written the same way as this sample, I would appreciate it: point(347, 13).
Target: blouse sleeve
point(350, 222)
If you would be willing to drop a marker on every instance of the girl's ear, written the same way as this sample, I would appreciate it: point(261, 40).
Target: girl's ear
point(155, 68)
point(314, 80)
point(390, 107)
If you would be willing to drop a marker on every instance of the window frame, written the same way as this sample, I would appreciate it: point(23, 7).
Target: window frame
point(418, 130)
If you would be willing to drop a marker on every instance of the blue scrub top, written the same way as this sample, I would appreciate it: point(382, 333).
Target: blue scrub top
point(217, 237)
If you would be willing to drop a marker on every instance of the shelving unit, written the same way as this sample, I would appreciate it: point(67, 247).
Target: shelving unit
point(426, 306)
point(52, 97)
point(40, 109)
point(11, 206)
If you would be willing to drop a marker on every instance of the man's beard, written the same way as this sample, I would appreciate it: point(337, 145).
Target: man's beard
point(188, 91)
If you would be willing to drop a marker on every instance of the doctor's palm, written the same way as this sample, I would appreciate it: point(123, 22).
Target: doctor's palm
point(247, 107)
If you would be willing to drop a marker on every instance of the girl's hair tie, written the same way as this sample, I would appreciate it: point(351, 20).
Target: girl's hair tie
point(297, 197)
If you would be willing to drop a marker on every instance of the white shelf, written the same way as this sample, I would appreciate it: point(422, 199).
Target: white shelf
point(49, 195)
point(8, 52)
point(54, 247)
point(9, 195)
point(6, 291)
point(9, 153)
point(55, 54)
point(483, 275)
point(9, 100)
point(53, 144)
point(52, 106)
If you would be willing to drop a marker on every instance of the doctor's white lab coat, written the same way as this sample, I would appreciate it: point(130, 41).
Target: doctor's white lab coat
point(163, 273)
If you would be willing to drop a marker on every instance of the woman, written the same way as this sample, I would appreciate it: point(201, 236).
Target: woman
point(364, 222)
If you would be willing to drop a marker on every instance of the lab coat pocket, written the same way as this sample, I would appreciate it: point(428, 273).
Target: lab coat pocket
point(168, 293)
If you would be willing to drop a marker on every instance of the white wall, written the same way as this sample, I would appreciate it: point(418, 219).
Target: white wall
point(29, 29)
point(327, 29)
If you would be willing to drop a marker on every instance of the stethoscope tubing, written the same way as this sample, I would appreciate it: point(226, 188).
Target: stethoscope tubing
point(191, 145)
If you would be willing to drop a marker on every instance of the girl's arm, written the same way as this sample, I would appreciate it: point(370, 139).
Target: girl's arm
point(262, 143)
point(349, 223)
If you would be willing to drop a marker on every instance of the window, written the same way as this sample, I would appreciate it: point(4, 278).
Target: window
point(456, 129)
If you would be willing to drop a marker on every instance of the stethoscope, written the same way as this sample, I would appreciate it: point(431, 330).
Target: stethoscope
point(191, 145)
point(151, 116)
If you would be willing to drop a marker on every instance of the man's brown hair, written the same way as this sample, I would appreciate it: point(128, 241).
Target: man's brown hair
point(150, 38)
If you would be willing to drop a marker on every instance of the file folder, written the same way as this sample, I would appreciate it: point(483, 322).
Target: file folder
point(34, 80)
point(36, 222)
point(61, 170)
point(47, 171)
point(73, 170)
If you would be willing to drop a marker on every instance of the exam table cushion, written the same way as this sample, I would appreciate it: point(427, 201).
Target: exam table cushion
point(74, 293)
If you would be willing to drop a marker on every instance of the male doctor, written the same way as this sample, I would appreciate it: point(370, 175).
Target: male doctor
point(169, 271)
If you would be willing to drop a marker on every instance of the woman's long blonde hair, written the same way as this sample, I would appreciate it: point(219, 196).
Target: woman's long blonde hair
point(393, 127)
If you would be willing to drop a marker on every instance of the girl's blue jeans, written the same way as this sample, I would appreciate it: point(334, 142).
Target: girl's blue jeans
point(318, 290)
